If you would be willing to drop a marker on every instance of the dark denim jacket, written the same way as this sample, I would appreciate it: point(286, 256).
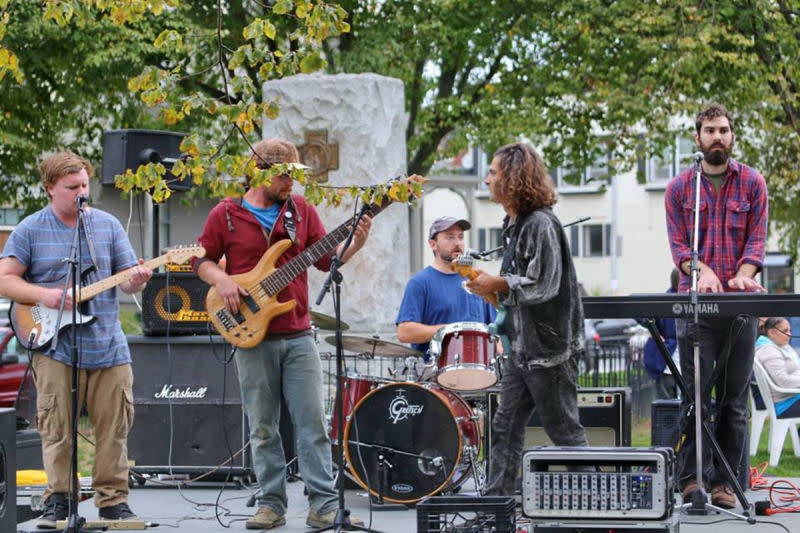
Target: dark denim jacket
point(544, 318)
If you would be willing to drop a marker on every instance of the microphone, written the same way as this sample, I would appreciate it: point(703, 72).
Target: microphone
point(82, 200)
point(697, 157)
point(473, 253)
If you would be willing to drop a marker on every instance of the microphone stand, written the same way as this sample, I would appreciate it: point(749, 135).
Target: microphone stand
point(342, 520)
point(699, 504)
point(75, 522)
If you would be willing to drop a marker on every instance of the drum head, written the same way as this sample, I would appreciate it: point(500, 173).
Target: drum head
point(413, 430)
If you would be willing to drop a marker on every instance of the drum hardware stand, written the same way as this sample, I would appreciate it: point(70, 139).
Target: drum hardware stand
point(699, 504)
point(342, 521)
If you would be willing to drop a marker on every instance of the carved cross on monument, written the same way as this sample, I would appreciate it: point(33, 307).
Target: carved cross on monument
point(318, 154)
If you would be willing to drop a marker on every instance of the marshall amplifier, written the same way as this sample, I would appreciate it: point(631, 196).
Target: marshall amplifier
point(174, 303)
point(188, 415)
point(604, 412)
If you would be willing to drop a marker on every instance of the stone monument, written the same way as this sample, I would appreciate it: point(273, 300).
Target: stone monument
point(350, 128)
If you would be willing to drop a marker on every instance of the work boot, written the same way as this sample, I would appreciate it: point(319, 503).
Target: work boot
point(265, 518)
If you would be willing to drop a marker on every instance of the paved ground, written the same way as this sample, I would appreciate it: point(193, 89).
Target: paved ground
point(212, 508)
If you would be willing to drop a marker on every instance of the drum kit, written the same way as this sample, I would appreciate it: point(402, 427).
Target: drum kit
point(416, 435)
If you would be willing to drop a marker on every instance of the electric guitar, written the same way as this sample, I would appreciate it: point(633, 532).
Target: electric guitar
point(463, 266)
point(249, 325)
point(35, 325)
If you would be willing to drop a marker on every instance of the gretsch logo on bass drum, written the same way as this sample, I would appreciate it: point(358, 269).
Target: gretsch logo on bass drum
point(400, 409)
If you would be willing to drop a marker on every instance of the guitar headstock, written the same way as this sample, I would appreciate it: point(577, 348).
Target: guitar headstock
point(181, 254)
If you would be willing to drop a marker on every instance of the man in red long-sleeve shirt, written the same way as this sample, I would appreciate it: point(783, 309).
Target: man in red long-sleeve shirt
point(732, 236)
point(286, 361)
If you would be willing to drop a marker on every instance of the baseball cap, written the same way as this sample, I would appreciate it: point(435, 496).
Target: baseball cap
point(443, 223)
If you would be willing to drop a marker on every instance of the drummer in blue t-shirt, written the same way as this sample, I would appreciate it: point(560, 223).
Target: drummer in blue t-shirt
point(435, 296)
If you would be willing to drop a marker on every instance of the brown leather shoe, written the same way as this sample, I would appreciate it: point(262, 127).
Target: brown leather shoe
point(722, 496)
point(688, 489)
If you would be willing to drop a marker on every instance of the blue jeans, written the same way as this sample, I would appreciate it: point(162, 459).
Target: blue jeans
point(293, 367)
point(730, 392)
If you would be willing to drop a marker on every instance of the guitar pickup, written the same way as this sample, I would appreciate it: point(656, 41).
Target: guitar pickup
point(225, 319)
point(251, 304)
point(239, 317)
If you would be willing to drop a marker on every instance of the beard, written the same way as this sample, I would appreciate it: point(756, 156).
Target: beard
point(717, 154)
point(448, 258)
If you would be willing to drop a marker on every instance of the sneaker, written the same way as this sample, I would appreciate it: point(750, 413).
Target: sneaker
point(265, 518)
point(722, 496)
point(55, 508)
point(316, 519)
point(121, 511)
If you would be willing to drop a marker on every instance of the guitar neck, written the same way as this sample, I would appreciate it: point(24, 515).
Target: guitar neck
point(280, 278)
point(90, 291)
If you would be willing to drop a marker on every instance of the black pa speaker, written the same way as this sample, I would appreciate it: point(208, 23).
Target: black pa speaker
point(665, 416)
point(174, 303)
point(189, 416)
point(604, 412)
point(8, 470)
point(127, 149)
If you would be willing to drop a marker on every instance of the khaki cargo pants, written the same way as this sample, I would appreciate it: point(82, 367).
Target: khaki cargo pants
point(108, 397)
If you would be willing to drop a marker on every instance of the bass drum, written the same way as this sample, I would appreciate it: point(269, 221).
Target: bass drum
point(407, 441)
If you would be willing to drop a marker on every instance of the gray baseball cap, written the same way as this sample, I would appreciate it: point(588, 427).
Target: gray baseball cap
point(443, 223)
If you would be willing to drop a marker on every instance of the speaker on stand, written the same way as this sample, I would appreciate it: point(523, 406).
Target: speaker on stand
point(174, 303)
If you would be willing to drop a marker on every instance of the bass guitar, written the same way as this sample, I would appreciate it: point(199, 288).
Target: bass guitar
point(35, 325)
point(249, 325)
point(463, 266)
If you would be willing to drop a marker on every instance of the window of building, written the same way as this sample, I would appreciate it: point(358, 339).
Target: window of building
point(778, 274)
point(592, 240)
point(489, 238)
point(661, 167)
point(568, 177)
point(10, 216)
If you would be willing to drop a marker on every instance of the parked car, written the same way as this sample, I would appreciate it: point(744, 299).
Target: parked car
point(13, 363)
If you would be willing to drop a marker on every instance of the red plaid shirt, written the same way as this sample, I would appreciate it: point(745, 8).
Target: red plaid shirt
point(733, 221)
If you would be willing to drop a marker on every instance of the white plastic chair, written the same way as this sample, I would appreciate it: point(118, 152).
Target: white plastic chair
point(777, 426)
point(757, 419)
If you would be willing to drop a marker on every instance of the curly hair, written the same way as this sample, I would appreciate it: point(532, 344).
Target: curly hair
point(525, 184)
point(713, 111)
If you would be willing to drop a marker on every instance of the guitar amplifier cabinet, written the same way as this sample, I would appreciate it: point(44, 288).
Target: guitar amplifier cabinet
point(174, 303)
point(604, 412)
point(604, 483)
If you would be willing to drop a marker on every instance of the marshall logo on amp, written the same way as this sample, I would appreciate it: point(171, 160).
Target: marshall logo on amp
point(400, 409)
point(172, 392)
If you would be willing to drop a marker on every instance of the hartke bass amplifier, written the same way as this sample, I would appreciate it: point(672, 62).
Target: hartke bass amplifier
point(187, 417)
point(664, 419)
point(604, 412)
point(8, 470)
point(174, 303)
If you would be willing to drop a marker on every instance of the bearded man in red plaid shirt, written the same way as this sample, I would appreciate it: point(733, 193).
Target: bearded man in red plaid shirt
point(732, 235)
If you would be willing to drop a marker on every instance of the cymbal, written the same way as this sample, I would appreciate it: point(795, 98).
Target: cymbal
point(323, 321)
point(356, 343)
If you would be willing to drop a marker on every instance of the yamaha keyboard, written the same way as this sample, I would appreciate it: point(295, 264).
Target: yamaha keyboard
point(672, 305)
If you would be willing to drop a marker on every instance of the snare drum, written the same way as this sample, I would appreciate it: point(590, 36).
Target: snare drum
point(465, 356)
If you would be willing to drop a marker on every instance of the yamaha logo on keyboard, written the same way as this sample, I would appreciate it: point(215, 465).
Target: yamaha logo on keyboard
point(702, 309)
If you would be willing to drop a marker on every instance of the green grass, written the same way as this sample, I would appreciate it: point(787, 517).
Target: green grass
point(788, 465)
point(131, 321)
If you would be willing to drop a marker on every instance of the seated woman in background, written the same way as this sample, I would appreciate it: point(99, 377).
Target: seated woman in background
point(781, 363)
